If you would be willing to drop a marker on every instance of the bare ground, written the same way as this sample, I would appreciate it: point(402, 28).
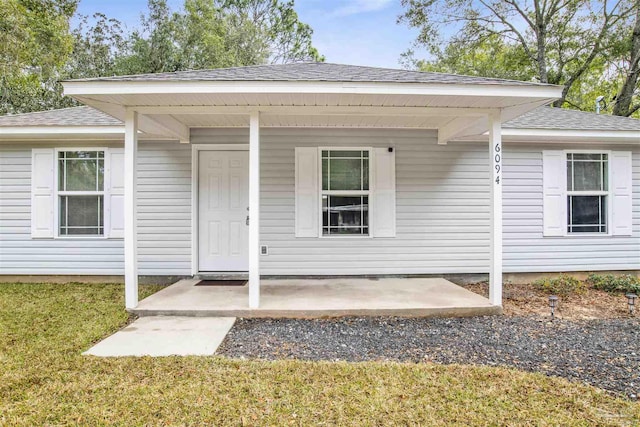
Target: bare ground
point(525, 300)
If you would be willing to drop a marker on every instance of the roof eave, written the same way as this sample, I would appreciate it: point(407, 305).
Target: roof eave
point(569, 136)
point(84, 88)
point(67, 133)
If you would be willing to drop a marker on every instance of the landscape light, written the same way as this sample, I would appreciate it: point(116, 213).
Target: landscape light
point(553, 302)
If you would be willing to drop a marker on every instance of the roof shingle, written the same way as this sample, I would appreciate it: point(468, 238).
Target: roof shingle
point(317, 72)
point(73, 116)
point(564, 119)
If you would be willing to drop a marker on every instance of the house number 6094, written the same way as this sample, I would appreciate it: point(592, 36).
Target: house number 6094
point(496, 161)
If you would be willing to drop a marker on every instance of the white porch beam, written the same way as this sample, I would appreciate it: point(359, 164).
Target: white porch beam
point(456, 127)
point(167, 124)
point(495, 160)
point(254, 210)
point(301, 110)
point(130, 210)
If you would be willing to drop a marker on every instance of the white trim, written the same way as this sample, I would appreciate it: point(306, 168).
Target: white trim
point(328, 110)
point(195, 186)
point(568, 136)
point(130, 210)
point(607, 193)
point(106, 178)
point(254, 210)
point(220, 147)
point(367, 193)
point(495, 175)
point(130, 87)
point(459, 125)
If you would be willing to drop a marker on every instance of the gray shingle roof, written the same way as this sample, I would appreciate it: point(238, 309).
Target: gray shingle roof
point(74, 116)
point(314, 71)
point(540, 118)
point(563, 119)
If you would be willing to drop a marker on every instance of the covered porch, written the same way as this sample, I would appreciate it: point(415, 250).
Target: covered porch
point(332, 97)
point(407, 297)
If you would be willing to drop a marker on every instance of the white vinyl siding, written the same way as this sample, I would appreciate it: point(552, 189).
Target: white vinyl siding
point(442, 198)
point(164, 224)
point(442, 216)
point(525, 247)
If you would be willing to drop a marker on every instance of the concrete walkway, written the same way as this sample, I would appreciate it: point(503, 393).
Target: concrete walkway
point(421, 297)
point(166, 336)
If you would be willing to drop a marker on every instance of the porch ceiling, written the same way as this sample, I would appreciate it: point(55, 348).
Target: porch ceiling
point(171, 108)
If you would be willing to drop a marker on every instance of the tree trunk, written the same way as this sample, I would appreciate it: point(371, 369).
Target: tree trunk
point(624, 97)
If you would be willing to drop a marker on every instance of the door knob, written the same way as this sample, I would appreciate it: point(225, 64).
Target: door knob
point(247, 222)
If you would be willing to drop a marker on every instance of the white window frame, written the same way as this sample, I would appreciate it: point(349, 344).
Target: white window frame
point(105, 194)
point(607, 193)
point(368, 193)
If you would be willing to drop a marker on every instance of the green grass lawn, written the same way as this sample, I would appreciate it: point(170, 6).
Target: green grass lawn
point(45, 381)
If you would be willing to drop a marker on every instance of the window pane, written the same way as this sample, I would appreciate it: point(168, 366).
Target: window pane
point(587, 176)
point(345, 215)
point(345, 174)
point(81, 171)
point(589, 156)
point(345, 154)
point(345, 170)
point(325, 174)
point(81, 215)
point(587, 214)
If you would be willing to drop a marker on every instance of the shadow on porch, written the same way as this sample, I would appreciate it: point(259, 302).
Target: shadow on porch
point(413, 297)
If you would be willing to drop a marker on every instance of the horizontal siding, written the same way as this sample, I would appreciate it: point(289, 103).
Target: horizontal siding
point(164, 209)
point(164, 226)
point(525, 247)
point(442, 201)
point(442, 213)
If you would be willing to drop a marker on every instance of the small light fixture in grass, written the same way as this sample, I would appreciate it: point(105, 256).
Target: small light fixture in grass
point(553, 303)
point(631, 301)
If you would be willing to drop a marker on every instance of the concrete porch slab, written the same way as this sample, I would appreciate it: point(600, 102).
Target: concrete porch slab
point(166, 336)
point(414, 297)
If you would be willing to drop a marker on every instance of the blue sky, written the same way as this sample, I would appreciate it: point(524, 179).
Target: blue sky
point(360, 32)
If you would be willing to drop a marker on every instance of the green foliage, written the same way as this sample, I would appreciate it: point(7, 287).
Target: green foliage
point(35, 41)
point(615, 284)
point(589, 48)
point(38, 49)
point(562, 285)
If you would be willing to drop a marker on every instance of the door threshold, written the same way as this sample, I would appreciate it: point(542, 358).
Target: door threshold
point(223, 275)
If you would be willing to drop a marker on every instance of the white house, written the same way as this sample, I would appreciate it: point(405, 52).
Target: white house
point(316, 169)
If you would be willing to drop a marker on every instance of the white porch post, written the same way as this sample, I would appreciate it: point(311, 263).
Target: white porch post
point(495, 153)
point(254, 210)
point(130, 232)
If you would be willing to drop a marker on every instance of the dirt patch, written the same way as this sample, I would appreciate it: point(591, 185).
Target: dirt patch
point(525, 300)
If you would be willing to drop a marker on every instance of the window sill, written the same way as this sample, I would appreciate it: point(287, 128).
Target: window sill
point(345, 237)
point(588, 235)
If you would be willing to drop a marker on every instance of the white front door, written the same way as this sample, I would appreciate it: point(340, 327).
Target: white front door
point(223, 203)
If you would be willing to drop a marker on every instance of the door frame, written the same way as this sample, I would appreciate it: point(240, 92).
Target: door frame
point(195, 190)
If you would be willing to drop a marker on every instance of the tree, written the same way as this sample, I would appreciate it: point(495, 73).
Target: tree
point(287, 39)
point(559, 39)
point(624, 99)
point(488, 57)
point(34, 42)
point(96, 48)
point(217, 33)
point(38, 49)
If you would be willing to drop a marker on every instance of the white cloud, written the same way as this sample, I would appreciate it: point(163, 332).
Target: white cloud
point(354, 7)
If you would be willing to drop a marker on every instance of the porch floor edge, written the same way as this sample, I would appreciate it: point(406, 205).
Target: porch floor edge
point(317, 298)
point(316, 314)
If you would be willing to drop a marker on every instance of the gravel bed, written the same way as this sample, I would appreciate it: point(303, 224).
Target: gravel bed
point(604, 353)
